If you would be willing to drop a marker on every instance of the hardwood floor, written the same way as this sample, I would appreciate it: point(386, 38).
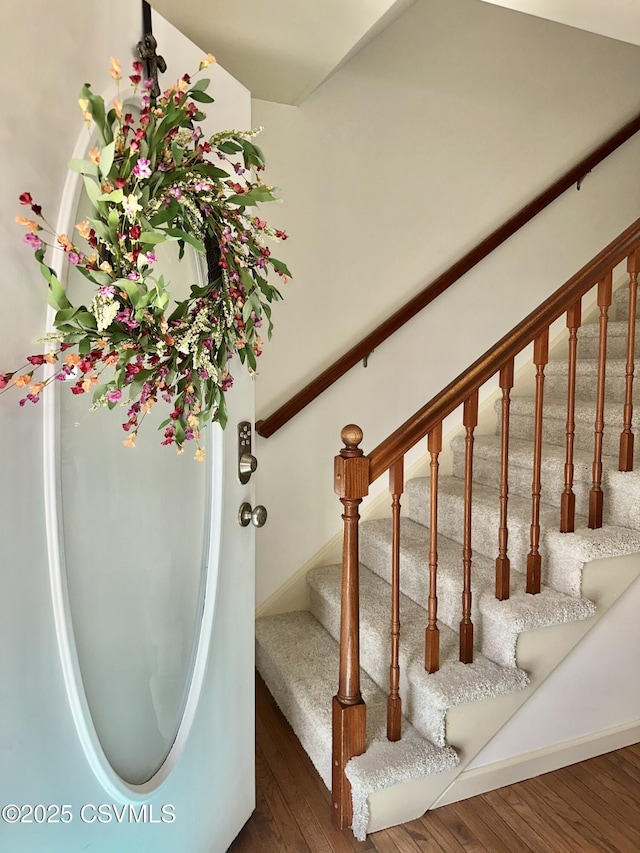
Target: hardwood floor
point(587, 808)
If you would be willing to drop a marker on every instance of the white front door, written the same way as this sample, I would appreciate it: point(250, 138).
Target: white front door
point(152, 595)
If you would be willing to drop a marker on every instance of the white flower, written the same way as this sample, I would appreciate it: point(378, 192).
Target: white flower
point(131, 206)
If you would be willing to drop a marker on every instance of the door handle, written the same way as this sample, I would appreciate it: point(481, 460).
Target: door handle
point(257, 516)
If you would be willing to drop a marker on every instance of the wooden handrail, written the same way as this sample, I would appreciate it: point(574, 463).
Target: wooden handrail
point(268, 426)
point(429, 416)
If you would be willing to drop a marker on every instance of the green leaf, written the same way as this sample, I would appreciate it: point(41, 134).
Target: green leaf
point(278, 265)
point(84, 346)
point(114, 197)
point(135, 293)
point(153, 237)
point(56, 295)
point(200, 85)
point(229, 147)
point(210, 171)
point(245, 200)
point(86, 319)
point(201, 97)
point(65, 315)
point(106, 158)
point(177, 152)
point(188, 238)
point(94, 192)
point(85, 167)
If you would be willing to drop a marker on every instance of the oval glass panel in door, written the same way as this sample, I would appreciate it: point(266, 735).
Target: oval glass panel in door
point(135, 526)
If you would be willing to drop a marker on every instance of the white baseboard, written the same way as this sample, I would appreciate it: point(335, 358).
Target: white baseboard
point(517, 768)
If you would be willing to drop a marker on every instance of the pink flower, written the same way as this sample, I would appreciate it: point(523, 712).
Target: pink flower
point(25, 198)
point(75, 258)
point(33, 240)
point(142, 169)
point(114, 396)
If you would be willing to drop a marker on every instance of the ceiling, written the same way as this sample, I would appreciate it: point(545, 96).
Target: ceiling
point(618, 19)
point(281, 50)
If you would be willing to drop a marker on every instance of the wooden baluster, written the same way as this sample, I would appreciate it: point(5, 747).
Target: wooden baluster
point(503, 565)
point(351, 484)
point(568, 498)
point(432, 633)
point(626, 436)
point(595, 495)
point(394, 702)
point(534, 559)
point(470, 421)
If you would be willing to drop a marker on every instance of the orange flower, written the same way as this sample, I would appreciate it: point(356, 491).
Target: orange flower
point(72, 359)
point(83, 229)
point(23, 381)
point(199, 457)
point(65, 242)
point(36, 388)
point(51, 357)
point(117, 106)
point(94, 155)
point(207, 61)
point(90, 381)
point(130, 440)
point(84, 106)
point(115, 69)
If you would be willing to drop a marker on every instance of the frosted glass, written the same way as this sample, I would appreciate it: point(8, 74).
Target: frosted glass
point(134, 525)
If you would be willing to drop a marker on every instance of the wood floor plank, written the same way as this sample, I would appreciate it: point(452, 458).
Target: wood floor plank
point(463, 834)
point(536, 812)
point(522, 828)
point(288, 829)
point(302, 812)
point(621, 765)
point(489, 827)
point(598, 776)
point(575, 828)
point(620, 836)
point(432, 836)
point(398, 839)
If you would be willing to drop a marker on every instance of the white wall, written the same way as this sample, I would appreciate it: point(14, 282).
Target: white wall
point(594, 689)
point(449, 121)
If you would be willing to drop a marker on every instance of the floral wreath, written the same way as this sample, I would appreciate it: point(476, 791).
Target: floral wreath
point(150, 180)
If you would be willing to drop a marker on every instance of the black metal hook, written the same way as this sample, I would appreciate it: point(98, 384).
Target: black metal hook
point(147, 51)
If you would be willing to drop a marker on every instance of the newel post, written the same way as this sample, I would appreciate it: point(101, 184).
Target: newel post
point(351, 484)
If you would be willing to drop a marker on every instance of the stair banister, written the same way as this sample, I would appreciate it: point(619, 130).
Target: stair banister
point(354, 473)
point(439, 407)
point(266, 427)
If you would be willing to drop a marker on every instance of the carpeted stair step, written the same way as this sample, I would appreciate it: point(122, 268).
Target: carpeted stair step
point(617, 332)
point(298, 661)
point(554, 424)
point(622, 490)
point(425, 698)
point(620, 305)
point(497, 623)
point(557, 371)
point(563, 554)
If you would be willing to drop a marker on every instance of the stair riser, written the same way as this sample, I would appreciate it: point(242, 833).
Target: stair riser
point(588, 345)
point(620, 306)
point(556, 386)
point(554, 432)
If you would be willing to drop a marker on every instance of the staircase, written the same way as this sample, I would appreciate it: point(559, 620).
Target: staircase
point(451, 712)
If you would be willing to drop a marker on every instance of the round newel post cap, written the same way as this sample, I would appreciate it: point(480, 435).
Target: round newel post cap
point(351, 436)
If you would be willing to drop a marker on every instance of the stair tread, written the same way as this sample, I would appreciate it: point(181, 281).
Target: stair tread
point(521, 453)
